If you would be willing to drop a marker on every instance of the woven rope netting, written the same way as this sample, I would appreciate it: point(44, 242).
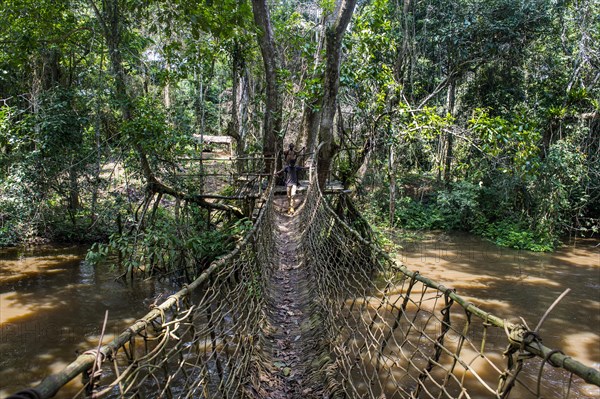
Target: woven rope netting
point(385, 332)
point(396, 334)
point(198, 343)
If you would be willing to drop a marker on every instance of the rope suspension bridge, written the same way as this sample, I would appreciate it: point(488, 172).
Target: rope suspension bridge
point(306, 306)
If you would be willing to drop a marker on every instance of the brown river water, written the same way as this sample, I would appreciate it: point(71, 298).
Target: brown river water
point(511, 284)
point(52, 304)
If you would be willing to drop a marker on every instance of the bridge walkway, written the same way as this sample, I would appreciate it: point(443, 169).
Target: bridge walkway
point(292, 335)
point(308, 306)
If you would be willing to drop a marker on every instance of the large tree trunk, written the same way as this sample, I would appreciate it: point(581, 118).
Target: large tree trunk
point(311, 115)
point(110, 21)
point(272, 143)
point(310, 126)
point(405, 58)
point(333, 49)
point(363, 165)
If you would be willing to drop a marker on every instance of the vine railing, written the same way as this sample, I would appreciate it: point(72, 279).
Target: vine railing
point(385, 331)
point(395, 333)
point(200, 342)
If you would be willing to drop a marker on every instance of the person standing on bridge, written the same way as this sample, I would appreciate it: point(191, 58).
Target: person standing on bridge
point(291, 154)
point(291, 182)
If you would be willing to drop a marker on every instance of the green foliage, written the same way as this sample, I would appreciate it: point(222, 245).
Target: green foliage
point(561, 193)
point(150, 129)
point(516, 234)
point(328, 6)
point(454, 209)
point(460, 205)
point(513, 146)
point(166, 247)
point(19, 209)
point(415, 215)
point(461, 209)
point(522, 131)
point(369, 69)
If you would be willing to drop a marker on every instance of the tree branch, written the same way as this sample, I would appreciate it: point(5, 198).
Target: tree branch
point(154, 186)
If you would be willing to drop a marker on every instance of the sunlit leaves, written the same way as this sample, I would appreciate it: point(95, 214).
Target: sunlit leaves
point(328, 6)
point(514, 145)
point(372, 45)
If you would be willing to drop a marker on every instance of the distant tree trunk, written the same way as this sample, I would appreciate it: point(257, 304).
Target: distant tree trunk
point(392, 179)
point(243, 106)
point(200, 113)
point(450, 101)
point(74, 204)
point(97, 169)
point(234, 128)
point(333, 48)
point(272, 122)
point(239, 105)
point(167, 89)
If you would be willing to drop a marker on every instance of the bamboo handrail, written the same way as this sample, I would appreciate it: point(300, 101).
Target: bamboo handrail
point(588, 374)
point(50, 385)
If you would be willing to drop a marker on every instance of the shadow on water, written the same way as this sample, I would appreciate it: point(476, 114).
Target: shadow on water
point(512, 284)
point(52, 303)
point(52, 306)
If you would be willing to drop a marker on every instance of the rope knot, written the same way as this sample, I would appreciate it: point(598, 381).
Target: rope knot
point(92, 376)
point(516, 335)
point(519, 336)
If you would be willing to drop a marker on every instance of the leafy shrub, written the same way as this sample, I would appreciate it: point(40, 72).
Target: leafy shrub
point(561, 192)
point(167, 247)
point(459, 206)
point(416, 215)
point(453, 209)
point(20, 212)
point(515, 234)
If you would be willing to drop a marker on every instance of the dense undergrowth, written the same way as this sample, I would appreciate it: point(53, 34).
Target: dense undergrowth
point(179, 248)
point(533, 216)
point(480, 116)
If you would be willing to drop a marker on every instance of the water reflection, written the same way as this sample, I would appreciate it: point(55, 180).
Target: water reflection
point(52, 305)
point(511, 283)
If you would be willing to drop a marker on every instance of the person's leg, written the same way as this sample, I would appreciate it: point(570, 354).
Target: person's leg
point(293, 194)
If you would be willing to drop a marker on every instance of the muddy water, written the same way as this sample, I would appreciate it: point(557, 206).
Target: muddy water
point(52, 304)
point(512, 284)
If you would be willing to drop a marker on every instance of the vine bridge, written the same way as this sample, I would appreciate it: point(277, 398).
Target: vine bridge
point(307, 306)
